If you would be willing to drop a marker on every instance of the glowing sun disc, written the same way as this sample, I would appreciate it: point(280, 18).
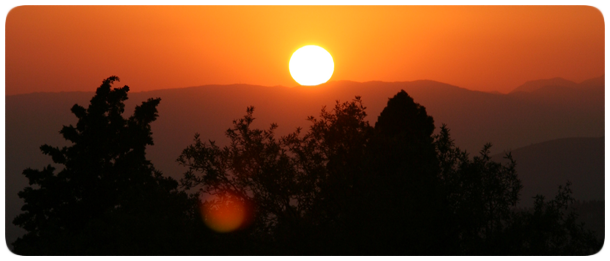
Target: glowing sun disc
point(311, 65)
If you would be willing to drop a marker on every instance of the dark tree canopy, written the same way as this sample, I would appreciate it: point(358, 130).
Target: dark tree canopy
point(341, 187)
point(106, 185)
point(550, 229)
point(346, 188)
point(402, 181)
point(300, 184)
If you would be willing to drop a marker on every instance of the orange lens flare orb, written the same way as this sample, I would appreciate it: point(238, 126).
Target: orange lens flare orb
point(311, 65)
point(225, 213)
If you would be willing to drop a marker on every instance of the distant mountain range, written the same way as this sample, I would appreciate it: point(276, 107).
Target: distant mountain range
point(531, 86)
point(509, 121)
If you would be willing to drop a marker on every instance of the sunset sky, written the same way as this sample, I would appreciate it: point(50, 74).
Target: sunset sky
point(491, 48)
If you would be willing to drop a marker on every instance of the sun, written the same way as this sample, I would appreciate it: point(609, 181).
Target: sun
point(311, 65)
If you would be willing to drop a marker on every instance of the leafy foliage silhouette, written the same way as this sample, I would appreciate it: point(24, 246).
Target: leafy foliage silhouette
point(347, 188)
point(552, 228)
point(482, 196)
point(108, 198)
point(343, 187)
point(299, 184)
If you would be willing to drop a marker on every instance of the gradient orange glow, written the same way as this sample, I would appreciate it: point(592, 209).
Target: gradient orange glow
point(490, 48)
point(225, 213)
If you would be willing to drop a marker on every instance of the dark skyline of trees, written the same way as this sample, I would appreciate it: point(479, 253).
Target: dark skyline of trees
point(342, 187)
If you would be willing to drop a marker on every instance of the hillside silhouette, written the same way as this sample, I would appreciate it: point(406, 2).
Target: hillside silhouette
point(474, 117)
point(531, 86)
point(545, 166)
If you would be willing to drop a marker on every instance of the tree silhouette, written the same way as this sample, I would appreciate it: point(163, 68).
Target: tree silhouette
point(482, 194)
point(343, 187)
point(403, 204)
point(333, 156)
point(108, 198)
point(301, 185)
point(550, 229)
point(346, 188)
point(479, 193)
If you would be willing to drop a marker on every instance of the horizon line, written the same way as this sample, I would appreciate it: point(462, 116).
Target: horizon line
point(298, 86)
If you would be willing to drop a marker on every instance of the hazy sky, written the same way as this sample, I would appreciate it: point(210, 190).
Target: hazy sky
point(479, 48)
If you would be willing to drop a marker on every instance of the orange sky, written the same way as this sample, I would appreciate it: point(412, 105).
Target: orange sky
point(479, 48)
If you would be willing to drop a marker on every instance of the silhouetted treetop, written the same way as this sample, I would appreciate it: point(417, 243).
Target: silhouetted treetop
point(105, 176)
point(403, 115)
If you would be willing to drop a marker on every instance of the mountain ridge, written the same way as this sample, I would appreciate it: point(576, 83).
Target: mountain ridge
point(592, 80)
point(544, 166)
point(534, 85)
